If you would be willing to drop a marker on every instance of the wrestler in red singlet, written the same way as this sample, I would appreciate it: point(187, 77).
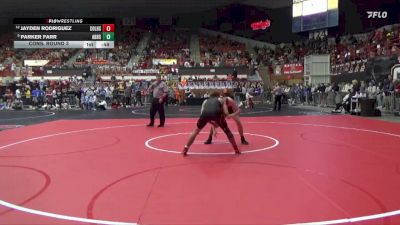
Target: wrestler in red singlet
point(232, 108)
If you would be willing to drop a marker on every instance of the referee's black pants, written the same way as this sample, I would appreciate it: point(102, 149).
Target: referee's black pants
point(156, 106)
point(278, 101)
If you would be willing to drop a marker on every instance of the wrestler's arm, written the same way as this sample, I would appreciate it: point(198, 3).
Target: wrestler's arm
point(224, 107)
point(234, 114)
point(235, 108)
point(232, 103)
point(202, 106)
point(226, 111)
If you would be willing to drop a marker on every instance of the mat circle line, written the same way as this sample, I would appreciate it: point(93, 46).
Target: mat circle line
point(135, 112)
point(38, 193)
point(148, 145)
point(30, 117)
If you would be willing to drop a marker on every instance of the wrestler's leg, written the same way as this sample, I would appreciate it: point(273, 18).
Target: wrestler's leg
point(227, 131)
point(201, 123)
point(240, 129)
point(209, 140)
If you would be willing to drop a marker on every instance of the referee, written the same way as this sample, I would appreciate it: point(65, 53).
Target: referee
point(160, 91)
point(278, 92)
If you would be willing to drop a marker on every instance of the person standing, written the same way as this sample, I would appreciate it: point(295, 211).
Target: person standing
point(138, 97)
point(178, 96)
point(128, 94)
point(18, 95)
point(249, 100)
point(9, 98)
point(159, 90)
point(278, 91)
point(54, 97)
point(35, 97)
point(28, 95)
point(167, 97)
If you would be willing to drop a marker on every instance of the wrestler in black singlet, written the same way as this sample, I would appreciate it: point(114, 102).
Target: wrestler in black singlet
point(213, 112)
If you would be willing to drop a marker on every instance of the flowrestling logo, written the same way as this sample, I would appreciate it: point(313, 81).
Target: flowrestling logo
point(377, 14)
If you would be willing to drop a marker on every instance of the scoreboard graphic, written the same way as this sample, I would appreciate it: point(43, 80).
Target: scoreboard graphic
point(64, 33)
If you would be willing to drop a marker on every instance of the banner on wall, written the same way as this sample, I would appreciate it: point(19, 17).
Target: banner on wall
point(293, 69)
point(146, 71)
point(35, 62)
point(165, 62)
point(357, 66)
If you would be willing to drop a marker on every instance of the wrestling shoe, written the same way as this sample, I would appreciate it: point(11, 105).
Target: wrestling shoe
point(208, 142)
point(185, 150)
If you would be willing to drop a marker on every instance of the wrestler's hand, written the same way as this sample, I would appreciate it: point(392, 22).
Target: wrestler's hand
point(160, 100)
point(235, 114)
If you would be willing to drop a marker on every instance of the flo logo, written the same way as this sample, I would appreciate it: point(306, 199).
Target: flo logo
point(377, 14)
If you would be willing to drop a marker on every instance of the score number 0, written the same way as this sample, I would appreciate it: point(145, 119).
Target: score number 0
point(108, 27)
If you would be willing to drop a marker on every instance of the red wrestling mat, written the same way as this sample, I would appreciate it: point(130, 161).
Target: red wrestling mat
point(309, 169)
